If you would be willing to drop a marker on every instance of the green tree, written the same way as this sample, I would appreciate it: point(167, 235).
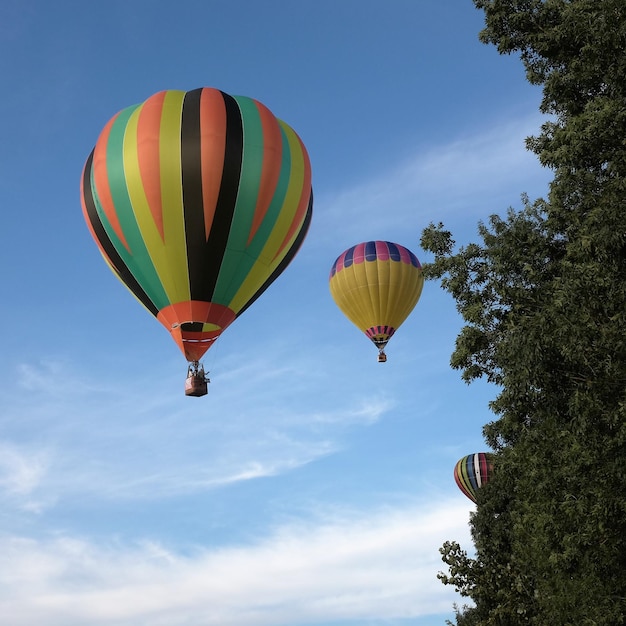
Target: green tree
point(543, 298)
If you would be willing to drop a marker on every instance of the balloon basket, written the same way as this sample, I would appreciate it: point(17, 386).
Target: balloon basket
point(382, 357)
point(196, 386)
point(196, 383)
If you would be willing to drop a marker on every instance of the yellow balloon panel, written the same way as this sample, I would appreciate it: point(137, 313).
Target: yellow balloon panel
point(376, 285)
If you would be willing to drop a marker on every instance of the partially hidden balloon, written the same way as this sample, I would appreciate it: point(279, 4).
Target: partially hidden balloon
point(376, 285)
point(198, 200)
point(472, 472)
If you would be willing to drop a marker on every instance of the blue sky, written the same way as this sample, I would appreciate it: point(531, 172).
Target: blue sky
point(312, 486)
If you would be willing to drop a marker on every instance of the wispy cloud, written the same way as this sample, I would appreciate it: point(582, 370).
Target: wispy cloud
point(71, 438)
point(185, 478)
point(376, 566)
point(49, 377)
point(22, 472)
point(471, 175)
point(364, 412)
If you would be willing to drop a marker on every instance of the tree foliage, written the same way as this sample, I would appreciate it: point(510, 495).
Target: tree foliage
point(543, 298)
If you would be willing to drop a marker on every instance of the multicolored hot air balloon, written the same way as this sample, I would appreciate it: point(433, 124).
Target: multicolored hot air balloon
point(197, 200)
point(472, 472)
point(376, 285)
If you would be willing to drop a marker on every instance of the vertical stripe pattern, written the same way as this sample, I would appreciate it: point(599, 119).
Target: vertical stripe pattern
point(376, 285)
point(197, 200)
point(472, 472)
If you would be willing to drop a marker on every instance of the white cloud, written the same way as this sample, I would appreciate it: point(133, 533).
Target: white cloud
point(20, 471)
point(83, 441)
point(473, 175)
point(54, 378)
point(184, 478)
point(364, 412)
point(381, 565)
point(35, 480)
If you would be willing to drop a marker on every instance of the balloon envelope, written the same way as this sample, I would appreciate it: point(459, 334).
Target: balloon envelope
point(197, 200)
point(376, 285)
point(472, 472)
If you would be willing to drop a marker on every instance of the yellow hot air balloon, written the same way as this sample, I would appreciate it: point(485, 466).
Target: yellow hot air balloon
point(376, 285)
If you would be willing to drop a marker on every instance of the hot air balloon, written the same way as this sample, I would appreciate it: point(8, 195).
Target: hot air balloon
point(472, 472)
point(198, 200)
point(376, 285)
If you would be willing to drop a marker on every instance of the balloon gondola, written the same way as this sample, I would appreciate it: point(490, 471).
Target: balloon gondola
point(196, 383)
point(197, 201)
point(376, 285)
